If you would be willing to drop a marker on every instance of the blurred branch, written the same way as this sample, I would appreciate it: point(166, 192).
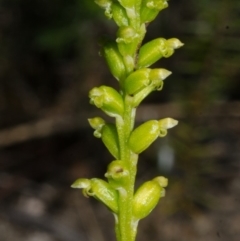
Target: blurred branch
point(59, 124)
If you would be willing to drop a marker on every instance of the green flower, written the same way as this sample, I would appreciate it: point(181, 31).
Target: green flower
point(107, 99)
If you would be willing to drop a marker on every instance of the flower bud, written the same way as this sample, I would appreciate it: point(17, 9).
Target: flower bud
point(114, 60)
point(97, 123)
point(110, 139)
point(156, 77)
point(119, 15)
point(105, 4)
point(143, 136)
point(151, 52)
point(117, 173)
point(108, 99)
point(151, 8)
point(147, 196)
point(102, 191)
point(99, 189)
point(154, 50)
point(127, 41)
point(137, 81)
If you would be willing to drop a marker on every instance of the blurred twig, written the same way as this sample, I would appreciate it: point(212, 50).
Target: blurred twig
point(59, 124)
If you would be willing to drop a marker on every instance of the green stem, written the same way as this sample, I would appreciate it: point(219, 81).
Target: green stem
point(124, 224)
point(126, 227)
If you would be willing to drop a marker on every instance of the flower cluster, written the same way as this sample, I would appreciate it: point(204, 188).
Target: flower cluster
point(130, 64)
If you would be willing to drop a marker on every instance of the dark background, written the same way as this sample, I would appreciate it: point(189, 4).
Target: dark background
point(48, 63)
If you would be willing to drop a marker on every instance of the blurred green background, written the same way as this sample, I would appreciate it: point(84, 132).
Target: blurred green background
point(48, 63)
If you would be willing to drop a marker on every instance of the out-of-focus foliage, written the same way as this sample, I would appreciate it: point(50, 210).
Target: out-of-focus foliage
point(44, 50)
point(48, 50)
